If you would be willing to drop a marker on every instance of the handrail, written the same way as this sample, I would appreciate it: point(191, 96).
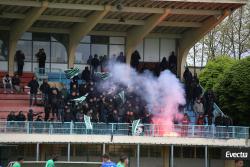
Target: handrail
point(57, 162)
point(153, 130)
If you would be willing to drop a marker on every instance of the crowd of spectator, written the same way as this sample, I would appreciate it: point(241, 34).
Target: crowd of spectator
point(105, 106)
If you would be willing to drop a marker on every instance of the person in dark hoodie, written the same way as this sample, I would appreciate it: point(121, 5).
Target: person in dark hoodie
point(20, 57)
point(135, 59)
point(95, 63)
point(41, 57)
point(86, 74)
point(45, 89)
point(34, 85)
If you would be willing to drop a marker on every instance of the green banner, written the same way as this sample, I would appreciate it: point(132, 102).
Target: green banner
point(87, 122)
point(81, 99)
point(135, 126)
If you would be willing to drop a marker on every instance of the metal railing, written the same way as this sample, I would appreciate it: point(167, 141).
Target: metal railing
point(59, 163)
point(68, 128)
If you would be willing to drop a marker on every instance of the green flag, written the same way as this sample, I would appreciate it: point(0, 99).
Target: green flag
point(121, 96)
point(135, 126)
point(70, 73)
point(81, 99)
point(103, 75)
point(87, 122)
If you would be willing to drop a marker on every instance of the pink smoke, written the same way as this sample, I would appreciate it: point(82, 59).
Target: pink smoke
point(163, 95)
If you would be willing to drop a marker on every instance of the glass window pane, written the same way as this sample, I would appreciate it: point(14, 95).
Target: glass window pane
point(39, 45)
point(117, 40)
point(58, 53)
point(86, 39)
point(27, 36)
point(188, 152)
point(82, 53)
point(115, 50)
point(3, 51)
point(26, 48)
point(167, 47)
point(151, 50)
point(100, 50)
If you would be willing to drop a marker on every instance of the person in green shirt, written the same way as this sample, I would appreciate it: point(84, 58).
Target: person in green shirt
point(123, 161)
point(19, 162)
point(51, 162)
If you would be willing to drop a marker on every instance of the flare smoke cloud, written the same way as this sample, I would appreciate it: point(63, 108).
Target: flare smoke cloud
point(163, 95)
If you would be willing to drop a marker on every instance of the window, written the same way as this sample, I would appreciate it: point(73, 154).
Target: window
point(155, 151)
point(27, 36)
point(99, 39)
point(117, 40)
point(214, 153)
point(82, 53)
point(115, 50)
point(3, 51)
point(99, 49)
point(151, 50)
point(58, 53)
point(26, 48)
point(177, 152)
point(39, 45)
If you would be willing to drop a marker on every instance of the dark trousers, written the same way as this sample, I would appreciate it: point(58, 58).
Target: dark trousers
point(20, 69)
point(33, 97)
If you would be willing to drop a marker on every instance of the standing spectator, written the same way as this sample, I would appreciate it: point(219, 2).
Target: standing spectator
point(188, 77)
point(45, 89)
point(185, 122)
point(121, 58)
point(51, 162)
point(197, 90)
point(123, 161)
point(198, 107)
point(20, 62)
point(19, 162)
point(54, 101)
point(7, 83)
point(41, 57)
point(16, 83)
point(31, 115)
point(95, 63)
point(33, 84)
point(89, 61)
point(172, 61)
point(208, 102)
point(164, 64)
point(86, 74)
point(135, 60)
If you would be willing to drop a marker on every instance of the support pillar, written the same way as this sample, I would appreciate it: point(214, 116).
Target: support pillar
point(138, 155)
point(165, 153)
point(37, 151)
point(79, 30)
point(206, 156)
point(19, 27)
point(68, 155)
point(103, 148)
point(191, 37)
point(137, 34)
point(172, 156)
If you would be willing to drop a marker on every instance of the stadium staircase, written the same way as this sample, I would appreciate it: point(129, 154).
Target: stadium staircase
point(17, 101)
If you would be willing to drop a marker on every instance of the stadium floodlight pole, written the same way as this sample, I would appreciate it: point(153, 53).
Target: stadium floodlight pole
point(68, 158)
point(172, 156)
point(138, 155)
point(37, 151)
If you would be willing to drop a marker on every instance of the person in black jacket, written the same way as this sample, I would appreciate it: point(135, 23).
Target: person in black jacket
point(135, 59)
point(20, 57)
point(41, 57)
point(86, 74)
point(20, 117)
point(11, 116)
point(31, 115)
point(33, 84)
point(95, 63)
point(45, 89)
